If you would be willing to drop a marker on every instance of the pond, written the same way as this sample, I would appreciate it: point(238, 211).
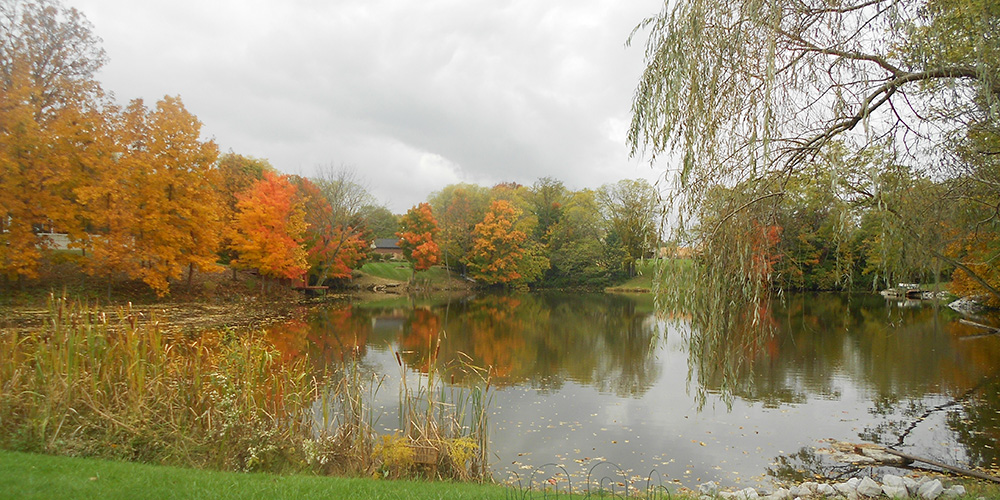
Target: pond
point(579, 379)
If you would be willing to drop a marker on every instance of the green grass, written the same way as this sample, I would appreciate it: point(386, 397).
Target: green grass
point(645, 271)
point(437, 276)
point(25, 475)
point(395, 270)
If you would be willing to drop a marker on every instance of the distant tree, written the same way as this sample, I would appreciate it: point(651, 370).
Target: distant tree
point(577, 245)
point(333, 251)
point(417, 232)
point(548, 197)
point(344, 221)
point(381, 222)
point(631, 208)
point(269, 228)
point(459, 207)
point(237, 173)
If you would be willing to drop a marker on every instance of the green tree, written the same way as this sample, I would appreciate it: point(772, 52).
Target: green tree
point(749, 93)
point(631, 209)
point(459, 207)
point(547, 198)
point(577, 245)
point(381, 222)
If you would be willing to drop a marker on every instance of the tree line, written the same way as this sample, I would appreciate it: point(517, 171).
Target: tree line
point(144, 197)
point(540, 235)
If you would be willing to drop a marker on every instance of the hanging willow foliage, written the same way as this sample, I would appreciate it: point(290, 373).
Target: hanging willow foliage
point(886, 98)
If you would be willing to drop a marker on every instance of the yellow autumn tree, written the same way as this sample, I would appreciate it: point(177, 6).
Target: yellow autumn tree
point(156, 211)
point(48, 120)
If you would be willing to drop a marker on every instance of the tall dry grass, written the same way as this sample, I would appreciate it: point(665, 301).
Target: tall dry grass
point(114, 386)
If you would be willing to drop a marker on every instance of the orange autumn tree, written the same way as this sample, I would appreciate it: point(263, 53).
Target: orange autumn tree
point(268, 229)
point(500, 254)
point(418, 229)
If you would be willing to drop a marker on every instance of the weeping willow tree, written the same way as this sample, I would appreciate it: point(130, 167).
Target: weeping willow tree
point(739, 98)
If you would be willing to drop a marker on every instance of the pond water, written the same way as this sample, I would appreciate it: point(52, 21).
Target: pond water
point(579, 379)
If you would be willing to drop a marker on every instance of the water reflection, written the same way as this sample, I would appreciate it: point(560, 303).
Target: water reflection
point(591, 376)
point(541, 340)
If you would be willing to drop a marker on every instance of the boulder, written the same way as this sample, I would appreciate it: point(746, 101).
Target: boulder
point(826, 490)
point(953, 492)
point(780, 494)
point(869, 488)
point(931, 490)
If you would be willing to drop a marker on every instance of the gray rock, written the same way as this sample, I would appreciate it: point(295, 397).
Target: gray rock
point(895, 491)
point(746, 494)
point(911, 485)
point(710, 488)
point(798, 491)
point(869, 488)
point(809, 485)
point(825, 490)
point(955, 491)
point(967, 305)
point(931, 490)
point(846, 488)
point(780, 494)
point(892, 480)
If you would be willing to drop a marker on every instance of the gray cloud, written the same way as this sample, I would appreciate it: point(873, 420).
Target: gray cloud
point(413, 95)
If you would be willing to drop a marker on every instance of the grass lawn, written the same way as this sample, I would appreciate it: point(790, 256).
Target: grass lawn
point(25, 475)
point(401, 271)
point(394, 270)
point(32, 476)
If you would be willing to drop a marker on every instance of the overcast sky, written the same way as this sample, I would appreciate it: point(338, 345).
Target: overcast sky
point(413, 95)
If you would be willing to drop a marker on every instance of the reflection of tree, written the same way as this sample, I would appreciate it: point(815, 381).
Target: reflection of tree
point(807, 465)
point(977, 426)
point(541, 339)
point(326, 338)
point(420, 337)
point(496, 328)
point(903, 353)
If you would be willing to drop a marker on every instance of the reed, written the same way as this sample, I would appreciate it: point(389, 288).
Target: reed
point(445, 426)
point(90, 383)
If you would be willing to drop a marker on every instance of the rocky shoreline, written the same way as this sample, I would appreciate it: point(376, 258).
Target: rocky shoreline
point(892, 486)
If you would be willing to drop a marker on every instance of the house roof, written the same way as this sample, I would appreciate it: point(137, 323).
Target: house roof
point(387, 243)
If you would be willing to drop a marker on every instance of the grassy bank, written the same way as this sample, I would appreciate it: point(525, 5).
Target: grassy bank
point(32, 476)
point(649, 270)
point(437, 277)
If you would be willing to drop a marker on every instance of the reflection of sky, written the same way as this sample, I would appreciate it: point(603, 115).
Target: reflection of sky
point(574, 424)
point(660, 430)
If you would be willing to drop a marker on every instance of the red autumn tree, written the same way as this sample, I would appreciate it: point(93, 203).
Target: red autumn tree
point(269, 227)
point(418, 230)
point(332, 250)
